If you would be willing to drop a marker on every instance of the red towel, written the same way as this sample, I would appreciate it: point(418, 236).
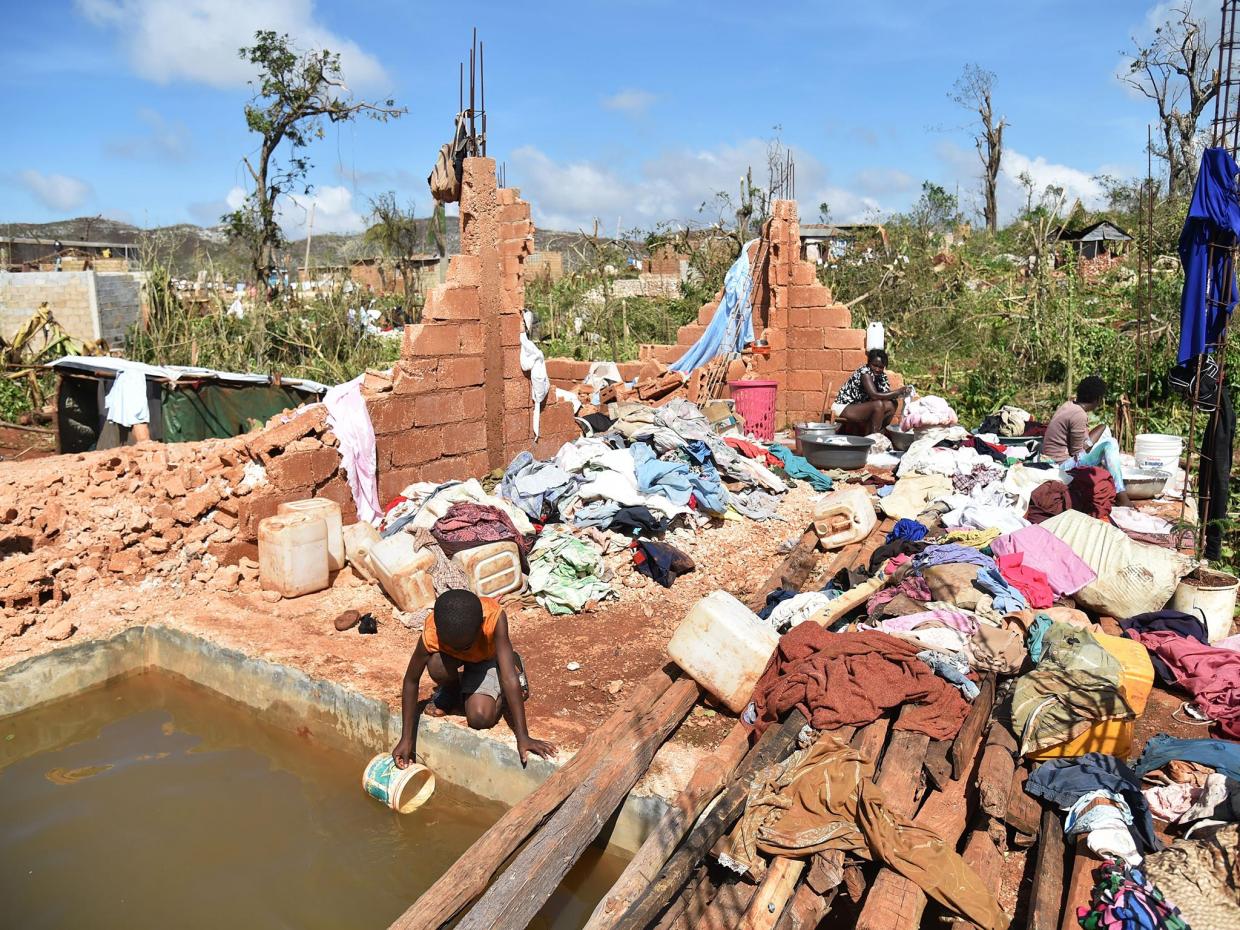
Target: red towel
point(1092, 491)
point(1027, 580)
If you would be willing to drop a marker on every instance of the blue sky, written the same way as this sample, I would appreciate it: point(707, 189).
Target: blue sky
point(633, 112)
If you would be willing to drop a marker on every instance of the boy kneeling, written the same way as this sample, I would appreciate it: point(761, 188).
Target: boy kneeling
point(465, 647)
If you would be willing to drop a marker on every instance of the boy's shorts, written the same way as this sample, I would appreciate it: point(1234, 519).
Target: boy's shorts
point(481, 678)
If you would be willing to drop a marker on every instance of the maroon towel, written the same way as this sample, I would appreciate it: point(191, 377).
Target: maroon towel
point(1048, 499)
point(1092, 491)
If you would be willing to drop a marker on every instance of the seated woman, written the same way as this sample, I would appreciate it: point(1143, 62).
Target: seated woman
point(866, 403)
point(1069, 442)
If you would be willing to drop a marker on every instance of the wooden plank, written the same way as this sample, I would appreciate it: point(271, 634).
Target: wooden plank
point(995, 771)
point(869, 740)
point(1080, 883)
point(806, 909)
point(728, 907)
point(478, 865)
point(771, 747)
point(938, 767)
point(519, 893)
point(848, 601)
point(970, 735)
point(792, 572)
point(1046, 903)
point(705, 783)
point(1024, 812)
point(900, 774)
point(984, 858)
point(773, 894)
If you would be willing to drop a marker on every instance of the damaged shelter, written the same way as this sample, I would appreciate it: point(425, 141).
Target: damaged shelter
point(182, 404)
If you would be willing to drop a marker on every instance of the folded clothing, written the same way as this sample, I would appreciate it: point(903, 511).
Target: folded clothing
point(1066, 572)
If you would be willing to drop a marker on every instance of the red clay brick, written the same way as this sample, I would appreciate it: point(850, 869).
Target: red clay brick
point(452, 302)
point(337, 489)
point(415, 447)
point(805, 380)
point(392, 413)
point(835, 315)
point(845, 339)
point(813, 295)
point(433, 339)
point(438, 409)
point(260, 504)
point(510, 331)
point(458, 372)
point(802, 318)
point(464, 270)
point(851, 359)
point(566, 369)
point(303, 469)
point(804, 273)
point(391, 483)
point(415, 375)
point(470, 340)
point(463, 438)
point(277, 437)
point(805, 338)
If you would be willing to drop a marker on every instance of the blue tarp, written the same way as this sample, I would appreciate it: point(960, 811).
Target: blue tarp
point(1209, 293)
point(723, 334)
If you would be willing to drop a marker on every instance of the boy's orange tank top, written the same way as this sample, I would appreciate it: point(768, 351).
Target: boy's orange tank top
point(483, 647)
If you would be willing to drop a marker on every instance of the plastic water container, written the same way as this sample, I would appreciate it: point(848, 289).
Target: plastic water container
point(875, 338)
point(292, 554)
point(329, 510)
point(404, 571)
point(1158, 451)
point(755, 405)
point(723, 646)
point(1212, 598)
point(403, 790)
point(493, 570)
point(844, 516)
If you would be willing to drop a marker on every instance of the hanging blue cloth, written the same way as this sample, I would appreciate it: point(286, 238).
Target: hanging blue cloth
point(1209, 293)
point(723, 334)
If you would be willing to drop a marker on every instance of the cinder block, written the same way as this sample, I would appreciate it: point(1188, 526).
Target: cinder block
point(392, 413)
point(460, 371)
point(845, 339)
point(813, 295)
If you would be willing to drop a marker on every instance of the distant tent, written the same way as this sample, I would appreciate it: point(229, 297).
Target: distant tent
point(186, 404)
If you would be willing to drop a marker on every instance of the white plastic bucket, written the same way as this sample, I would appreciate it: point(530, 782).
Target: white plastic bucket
point(1214, 600)
point(1158, 451)
point(403, 790)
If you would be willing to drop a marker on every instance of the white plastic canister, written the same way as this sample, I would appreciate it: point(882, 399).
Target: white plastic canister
point(493, 569)
point(1158, 450)
point(844, 516)
point(292, 554)
point(329, 510)
point(723, 646)
point(404, 571)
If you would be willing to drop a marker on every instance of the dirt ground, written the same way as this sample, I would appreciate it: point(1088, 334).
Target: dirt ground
point(20, 445)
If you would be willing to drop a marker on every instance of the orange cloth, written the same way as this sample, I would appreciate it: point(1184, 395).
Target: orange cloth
point(483, 647)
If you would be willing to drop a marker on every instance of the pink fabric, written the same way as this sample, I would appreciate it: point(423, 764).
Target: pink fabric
point(1231, 643)
point(1209, 674)
point(1028, 581)
point(913, 586)
point(355, 434)
point(896, 561)
point(953, 619)
point(1065, 572)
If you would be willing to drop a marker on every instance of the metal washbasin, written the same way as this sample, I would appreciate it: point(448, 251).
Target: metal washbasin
point(901, 439)
point(1144, 485)
point(847, 452)
point(815, 432)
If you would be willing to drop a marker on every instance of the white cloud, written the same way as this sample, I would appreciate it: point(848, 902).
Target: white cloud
point(333, 211)
point(197, 40)
point(631, 101)
point(55, 191)
point(1076, 184)
point(170, 140)
point(880, 181)
point(673, 186)
point(962, 167)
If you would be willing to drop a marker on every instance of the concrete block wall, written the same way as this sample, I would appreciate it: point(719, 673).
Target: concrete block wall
point(118, 299)
point(69, 294)
point(813, 345)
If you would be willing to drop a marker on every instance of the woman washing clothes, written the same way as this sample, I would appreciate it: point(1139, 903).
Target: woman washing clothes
point(866, 403)
point(1070, 443)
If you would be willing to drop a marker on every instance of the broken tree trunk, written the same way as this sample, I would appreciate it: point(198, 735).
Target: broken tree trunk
point(524, 887)
point(773, 746)
point(708, 779)
point(970, 735)
point(1047, 903)
point(478, 865)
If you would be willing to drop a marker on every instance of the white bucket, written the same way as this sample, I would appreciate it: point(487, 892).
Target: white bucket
point(1158, 451)
point(403, 790)
point(1213, 601)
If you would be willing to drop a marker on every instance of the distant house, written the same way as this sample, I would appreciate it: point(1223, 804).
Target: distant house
point(1101, 238)
point(821, 242)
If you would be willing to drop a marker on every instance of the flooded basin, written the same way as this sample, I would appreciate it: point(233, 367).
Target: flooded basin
point(152, 802)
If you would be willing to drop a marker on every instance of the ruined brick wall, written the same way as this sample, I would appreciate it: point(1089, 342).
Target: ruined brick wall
point(813, 345)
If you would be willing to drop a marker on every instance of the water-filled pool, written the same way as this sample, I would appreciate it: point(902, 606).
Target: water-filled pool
point(154, 803)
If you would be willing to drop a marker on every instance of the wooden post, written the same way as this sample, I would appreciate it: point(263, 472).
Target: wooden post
point(848, 601)
point(458, 886)
point(771, 747)
point(1080, 883)
point(1024, 812)
point(707, 780)
point(1047, 903)
point(791, 572)
point(524, 887)
point(983, 857)
point(970, 735)
point(773, 894)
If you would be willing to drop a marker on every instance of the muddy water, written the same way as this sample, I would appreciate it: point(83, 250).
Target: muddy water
point(152, 803)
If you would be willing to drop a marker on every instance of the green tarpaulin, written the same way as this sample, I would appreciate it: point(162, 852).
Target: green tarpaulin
point(218, 411)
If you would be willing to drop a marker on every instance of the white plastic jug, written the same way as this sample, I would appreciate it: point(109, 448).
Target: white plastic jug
point(723, 646)
point(844, 516)
point(292, 554)
point(493, 570)
point(329, 510)
point(404, 571)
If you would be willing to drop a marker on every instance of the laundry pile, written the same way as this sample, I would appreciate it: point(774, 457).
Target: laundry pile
point(638, 472)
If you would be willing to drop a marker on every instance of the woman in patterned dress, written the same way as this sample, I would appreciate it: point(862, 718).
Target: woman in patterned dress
point(866, 403)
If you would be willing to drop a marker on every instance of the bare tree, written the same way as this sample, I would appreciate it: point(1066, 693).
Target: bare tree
point(394, 231)
point(294, 94)
point(973, 91)
point(1176, 70)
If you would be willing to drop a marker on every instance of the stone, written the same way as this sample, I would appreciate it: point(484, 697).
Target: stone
point(271, 597)
point(60, 630)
